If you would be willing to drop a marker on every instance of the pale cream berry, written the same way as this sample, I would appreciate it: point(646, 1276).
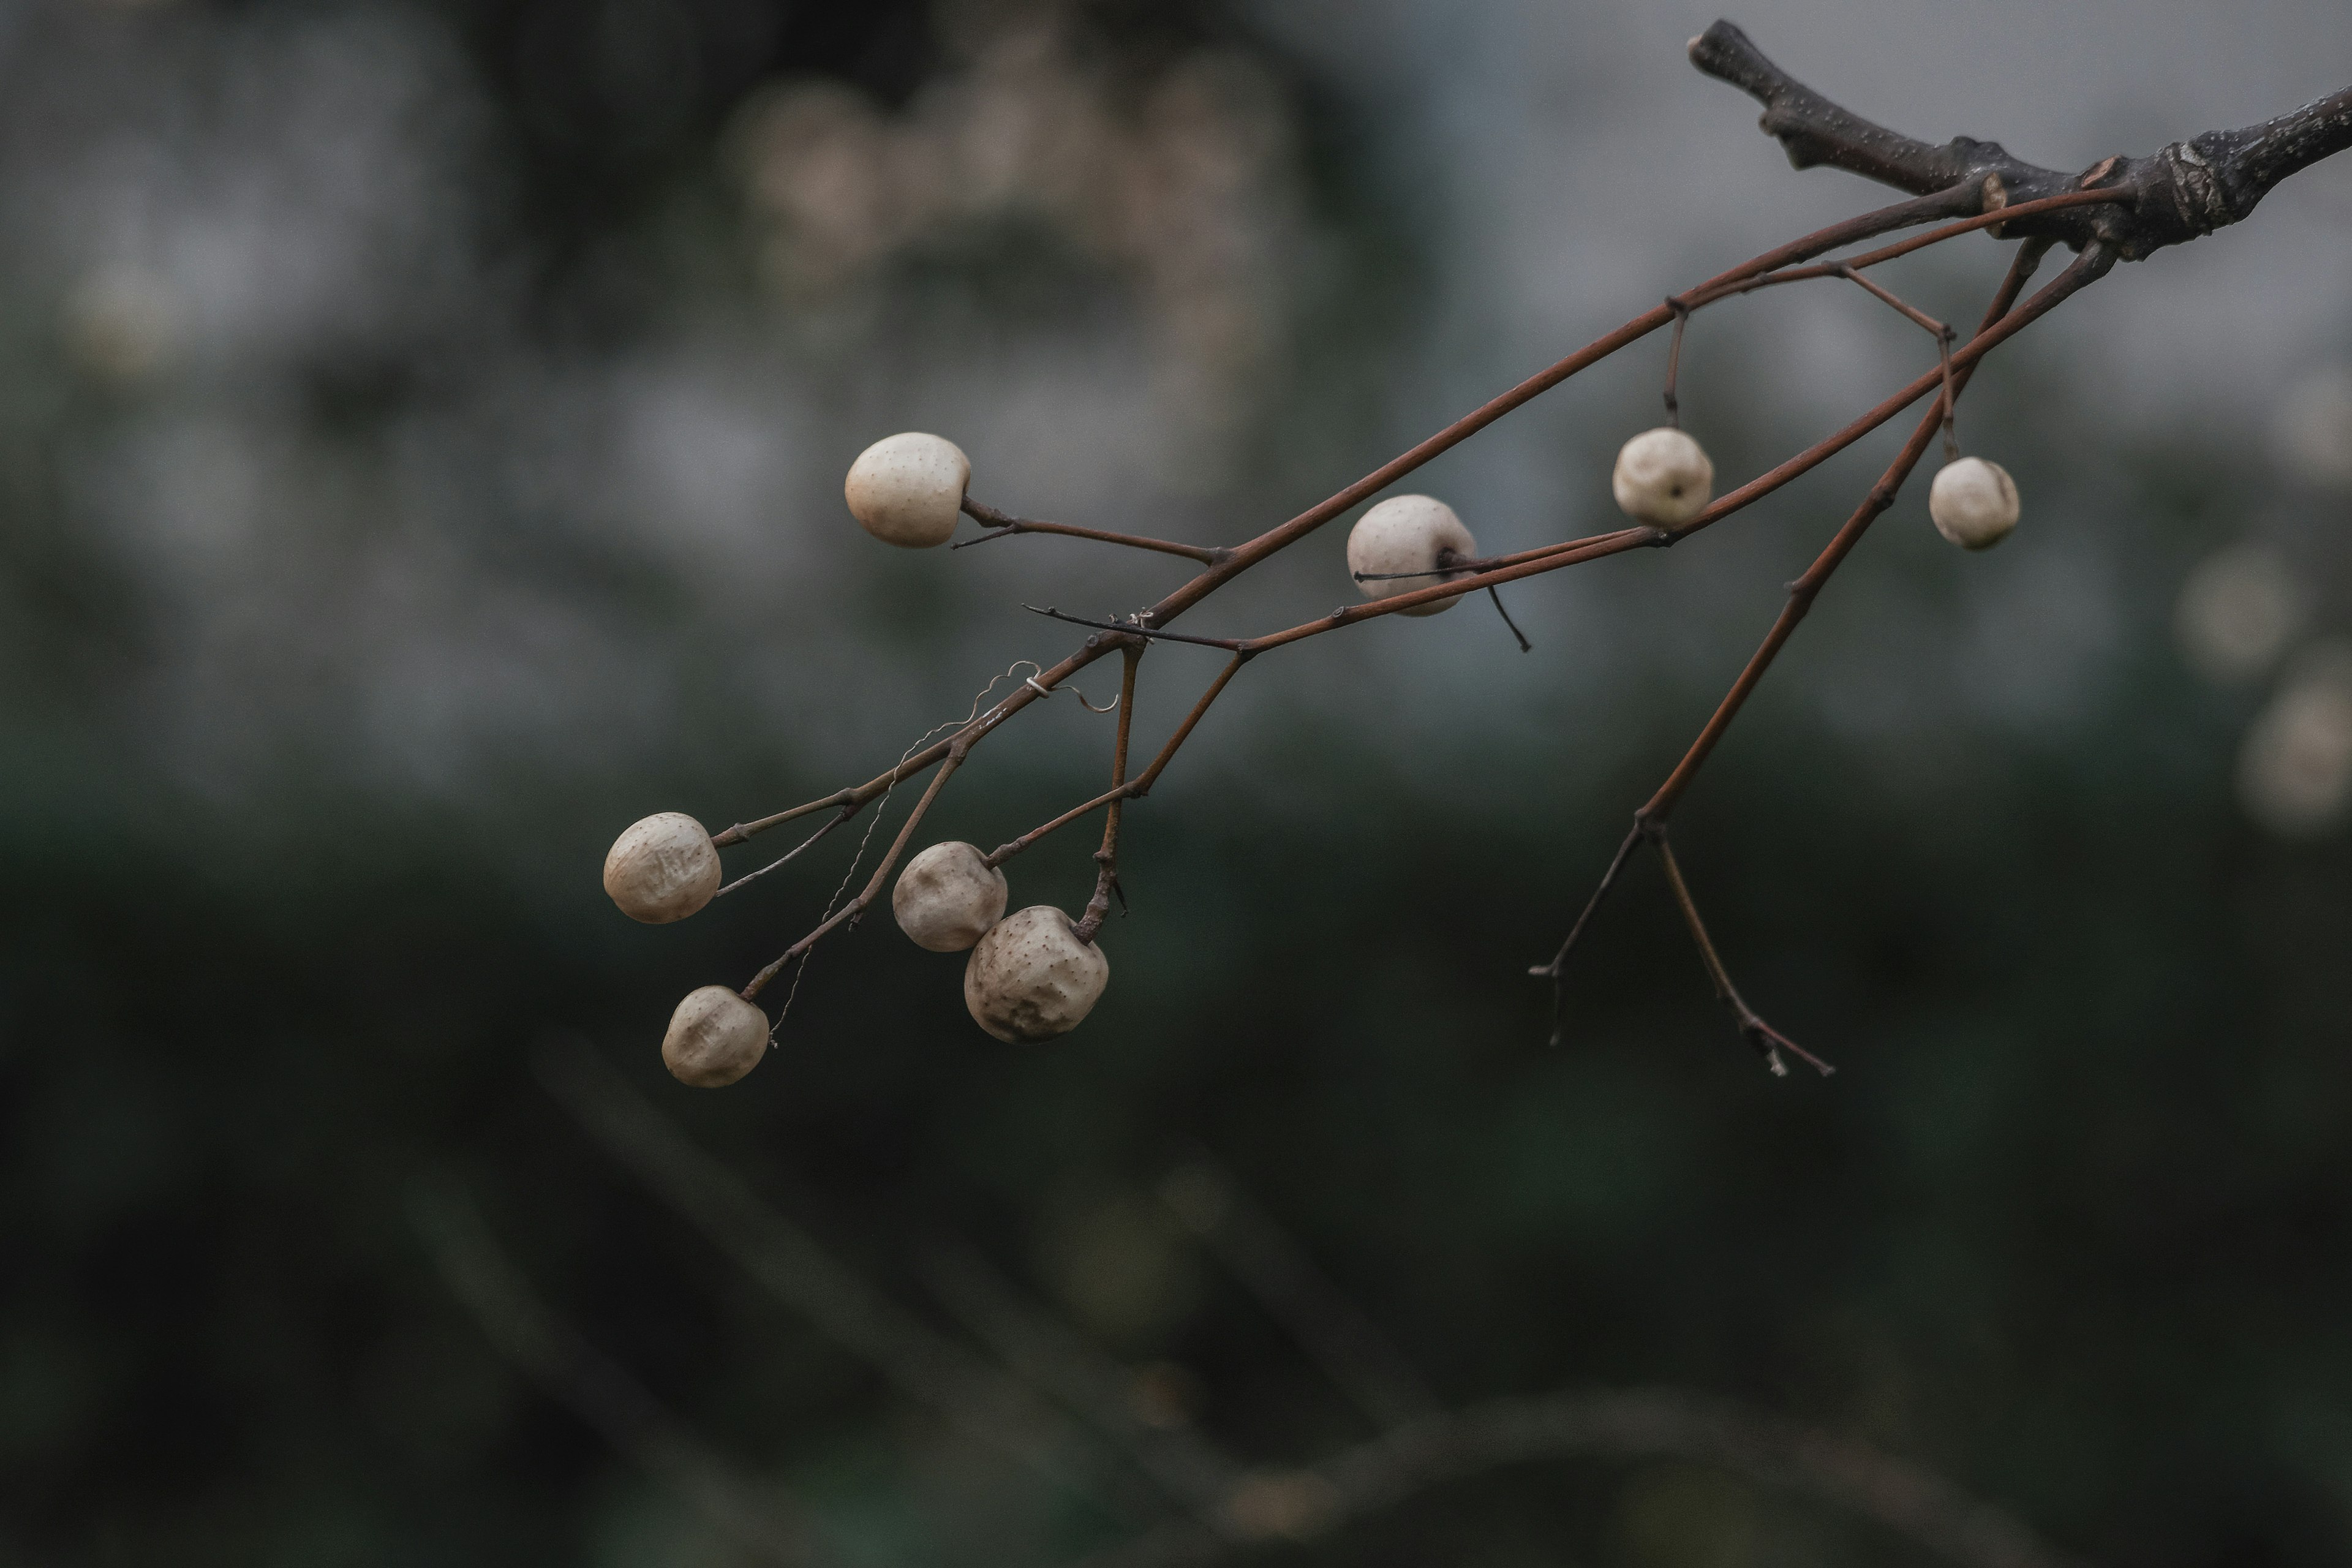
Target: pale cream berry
point(715, 1037)
point(1030, 978)
point(662, 868)
point(907, 489)
point(1973, 503)
point(1663, 477)
point(1408, 534)
point(948, 896)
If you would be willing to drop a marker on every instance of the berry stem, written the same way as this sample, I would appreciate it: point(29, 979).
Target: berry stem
point(872, 889)
point(1106, 857)
point(1006, 525)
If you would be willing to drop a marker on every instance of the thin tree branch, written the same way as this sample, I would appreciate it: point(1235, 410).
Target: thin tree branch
point(1127, 628)
point(2085, 269)
point(1007, 525)
point(1649, 822)
point(1747, 495)
point(810, 841)
point(1927, 209)
point(1136, 788)
point(1766, 1039)
point(872, 889)
point(1560, 960)
point(1106, 857)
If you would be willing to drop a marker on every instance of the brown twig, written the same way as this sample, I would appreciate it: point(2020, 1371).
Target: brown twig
point(1106, 857)
point(2183, 191)
point(1129, 629)
point(1752, 1027)
point(1136, 788)
point(1560, 960)
point(1577, 551)
point(1006, 525)
point(806, 843)
point(1232, 563)
point(1649, 821)
point(872, 889)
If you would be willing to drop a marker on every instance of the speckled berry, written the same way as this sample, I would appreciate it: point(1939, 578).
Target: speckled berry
point(948, 896)
point(1663, 477)
point(662, 868)
point(1973, 503)
point(714, 1038)
point(908, 489)
point(1408, 534)
point(1030, 978)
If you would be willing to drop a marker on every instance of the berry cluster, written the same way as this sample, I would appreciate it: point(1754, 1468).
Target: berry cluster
point(1037, 973)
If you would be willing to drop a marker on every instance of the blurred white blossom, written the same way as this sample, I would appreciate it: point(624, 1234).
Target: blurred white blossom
point(2315, 428)
point(2238, 611)
point(121, 322)
point(1180, 183)
point(2295, 773)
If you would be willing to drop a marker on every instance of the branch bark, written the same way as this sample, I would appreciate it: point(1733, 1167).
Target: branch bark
point(2186, 190)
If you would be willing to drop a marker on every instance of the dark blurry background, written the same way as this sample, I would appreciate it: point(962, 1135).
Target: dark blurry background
point(421, 435)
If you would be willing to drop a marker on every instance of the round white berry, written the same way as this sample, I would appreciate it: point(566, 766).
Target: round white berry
point(948, 896)
point(662, 870)
point(1663, 477)
point(715, 1037)
point(1408, 534)
point(1030, 978)
point(907, 489)
point(1973, 503)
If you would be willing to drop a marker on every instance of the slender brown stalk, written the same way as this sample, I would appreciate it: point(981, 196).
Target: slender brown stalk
point(1135, 788)
point(2086, 269)
point(872, 889)
point(1129, 629)
point(1649, 821)
point(791, 853)
point(1938, 204)
point(1106, 857)
point(1006, 525)
point(1766, 1039)
point(1955, 202)
point(1710, 293)
point(1579, 550)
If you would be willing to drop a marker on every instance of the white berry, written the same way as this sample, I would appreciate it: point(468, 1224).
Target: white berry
point(948, 896)
point(1030, 978)
point(662, 870)
point(715, 1037)
point(1407, 533)
point(1973, 503)
point(908, 489)
point(1663, 477)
